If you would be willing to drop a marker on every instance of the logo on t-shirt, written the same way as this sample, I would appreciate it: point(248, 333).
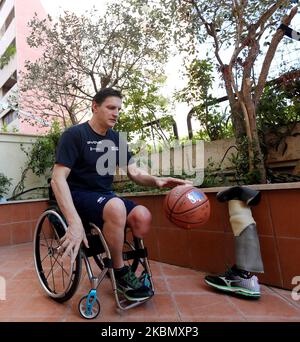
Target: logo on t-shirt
point(99, 148)
point(89, 142)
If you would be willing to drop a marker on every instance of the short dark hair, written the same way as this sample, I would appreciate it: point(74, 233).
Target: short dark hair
point(104, 93)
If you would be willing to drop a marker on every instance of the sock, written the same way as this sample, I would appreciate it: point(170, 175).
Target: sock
point(119, 272)
point(241, 273)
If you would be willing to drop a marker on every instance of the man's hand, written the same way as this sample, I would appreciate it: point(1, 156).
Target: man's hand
point(170, 182)
point(72, 239)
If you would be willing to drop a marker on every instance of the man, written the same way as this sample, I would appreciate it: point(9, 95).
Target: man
point(82, 185)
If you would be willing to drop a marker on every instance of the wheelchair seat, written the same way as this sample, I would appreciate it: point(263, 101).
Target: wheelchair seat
point(61, 280)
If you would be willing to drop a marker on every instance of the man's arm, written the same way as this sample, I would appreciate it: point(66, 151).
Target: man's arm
point(141, 177)
point(75, 233)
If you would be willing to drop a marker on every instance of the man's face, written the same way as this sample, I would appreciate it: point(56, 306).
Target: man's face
point(107, 113)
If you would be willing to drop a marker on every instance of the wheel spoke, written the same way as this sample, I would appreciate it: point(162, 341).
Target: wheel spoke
point(59, 279)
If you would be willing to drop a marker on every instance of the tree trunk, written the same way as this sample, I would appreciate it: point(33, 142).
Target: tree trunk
point(237, 121)
point(256, 152)
point(243, 117)
point(256, 158)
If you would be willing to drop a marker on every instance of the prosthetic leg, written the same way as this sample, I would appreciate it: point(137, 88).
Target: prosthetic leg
point(238, 279)
point(247, 248)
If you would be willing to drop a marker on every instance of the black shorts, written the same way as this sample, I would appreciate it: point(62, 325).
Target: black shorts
point(90, 205)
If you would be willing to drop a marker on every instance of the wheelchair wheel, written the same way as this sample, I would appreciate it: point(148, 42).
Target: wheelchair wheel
point(59, 280)
point(89, 308)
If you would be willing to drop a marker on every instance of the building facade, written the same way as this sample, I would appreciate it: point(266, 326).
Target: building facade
point(14, 51)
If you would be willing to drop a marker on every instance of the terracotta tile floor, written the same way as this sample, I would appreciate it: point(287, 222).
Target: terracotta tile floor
point(181, 295)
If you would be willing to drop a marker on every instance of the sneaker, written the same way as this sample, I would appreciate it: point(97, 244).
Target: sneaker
point(131, 287)
point(236, 281)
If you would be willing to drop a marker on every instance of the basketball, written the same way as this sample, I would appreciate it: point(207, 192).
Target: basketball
point(187, 207)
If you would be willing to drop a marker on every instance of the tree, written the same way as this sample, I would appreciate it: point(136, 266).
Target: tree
point(240, 27)
point(279, 114)
point(145, 112)
point(279, 105)
point(197, 93)
point(125, 48)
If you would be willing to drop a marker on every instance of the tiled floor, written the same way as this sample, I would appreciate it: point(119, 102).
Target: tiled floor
point(181, 295)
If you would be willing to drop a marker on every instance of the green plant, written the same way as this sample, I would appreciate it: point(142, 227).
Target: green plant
point(4, 184)
point(41, 156)
point(9, 52)
point(214, 175)
point(279, 113)
point(4, 128)
point(279, 105)
point(241, 164)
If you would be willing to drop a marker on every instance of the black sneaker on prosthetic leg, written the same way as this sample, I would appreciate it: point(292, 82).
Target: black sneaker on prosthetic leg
point(235, 281)
point(129, 285)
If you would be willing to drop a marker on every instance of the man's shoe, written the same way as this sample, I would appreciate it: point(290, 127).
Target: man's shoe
point(236, 281)
point(132, 289)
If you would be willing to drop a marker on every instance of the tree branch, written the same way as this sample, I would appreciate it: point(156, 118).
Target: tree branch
point(210, 30)
point(270, 54)
point(266, 15)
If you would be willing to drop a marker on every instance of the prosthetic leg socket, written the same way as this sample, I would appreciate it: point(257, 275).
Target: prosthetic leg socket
point(248, 255)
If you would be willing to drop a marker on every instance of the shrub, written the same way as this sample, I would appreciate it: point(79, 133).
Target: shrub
point(4, 184)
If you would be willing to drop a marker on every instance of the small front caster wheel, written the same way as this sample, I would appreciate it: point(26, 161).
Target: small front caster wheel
point(89, 307)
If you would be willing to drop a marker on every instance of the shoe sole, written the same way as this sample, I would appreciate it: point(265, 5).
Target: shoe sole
point(132, 299)
point(238, 290)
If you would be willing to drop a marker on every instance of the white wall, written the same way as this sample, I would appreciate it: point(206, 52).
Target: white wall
point(13, 160)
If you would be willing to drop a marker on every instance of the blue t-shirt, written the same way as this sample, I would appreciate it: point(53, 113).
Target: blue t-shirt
point(91, 157)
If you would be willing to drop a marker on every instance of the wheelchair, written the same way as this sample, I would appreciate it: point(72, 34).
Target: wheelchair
point(61, 280)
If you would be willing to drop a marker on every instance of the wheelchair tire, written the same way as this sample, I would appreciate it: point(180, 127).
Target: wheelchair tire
point(59, 280)
point(95, 310)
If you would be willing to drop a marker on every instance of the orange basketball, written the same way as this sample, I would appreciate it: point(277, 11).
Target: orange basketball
point(187, 207)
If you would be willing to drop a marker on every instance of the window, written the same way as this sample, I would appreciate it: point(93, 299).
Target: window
point(9, 83)
point(10, 18)
point(7, 22)
point(9, 117)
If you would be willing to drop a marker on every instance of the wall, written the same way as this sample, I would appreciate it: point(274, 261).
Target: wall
point(285, 157)
point(13, 160)
point(209, 248)
point(18, 220)
point(24, 11)
point(287, 152)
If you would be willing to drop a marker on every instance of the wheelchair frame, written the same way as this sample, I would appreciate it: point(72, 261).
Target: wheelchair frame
point(89, 305)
